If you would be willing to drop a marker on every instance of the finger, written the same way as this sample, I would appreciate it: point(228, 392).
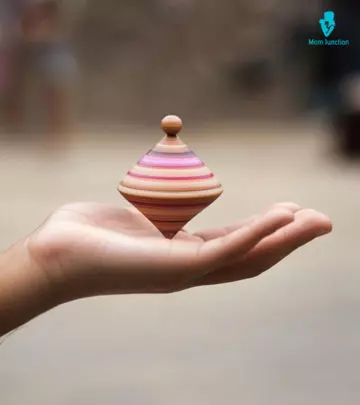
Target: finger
point(236, 244)
point(214, 233)
point(220, 252)
point(307, 226)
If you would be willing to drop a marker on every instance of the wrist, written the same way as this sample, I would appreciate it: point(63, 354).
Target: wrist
point(25, 291)
point(49, 255)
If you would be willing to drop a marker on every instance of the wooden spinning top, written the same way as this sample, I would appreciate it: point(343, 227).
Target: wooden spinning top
point(170, 185)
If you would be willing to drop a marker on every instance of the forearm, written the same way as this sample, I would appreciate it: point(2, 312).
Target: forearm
point(24, 289)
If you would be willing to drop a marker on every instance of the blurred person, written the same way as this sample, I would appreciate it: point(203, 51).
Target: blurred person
point(334, 70)
point(9, 24)
point(346, 110)
point(346, 118)
point(89, 249)
point(43, 51)
point(4, 47)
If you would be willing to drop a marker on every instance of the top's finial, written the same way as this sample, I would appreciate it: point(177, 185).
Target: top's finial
point(171, 125)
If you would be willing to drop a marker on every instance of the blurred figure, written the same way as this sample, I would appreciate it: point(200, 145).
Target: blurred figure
point(4, 48)
point(333, 70)
point(43, 52)
point(346, 77)
point(9, 13)
point(347, 118)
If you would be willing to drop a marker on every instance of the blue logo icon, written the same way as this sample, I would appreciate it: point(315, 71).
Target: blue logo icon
point(327, 23)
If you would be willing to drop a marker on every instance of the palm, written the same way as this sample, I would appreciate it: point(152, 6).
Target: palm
point(120, 247)
point(127, 221)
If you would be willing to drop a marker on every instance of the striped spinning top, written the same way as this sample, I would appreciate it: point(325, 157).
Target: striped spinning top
point(170, 185)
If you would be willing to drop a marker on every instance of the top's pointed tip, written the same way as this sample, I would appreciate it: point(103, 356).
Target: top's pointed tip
point(171, 125)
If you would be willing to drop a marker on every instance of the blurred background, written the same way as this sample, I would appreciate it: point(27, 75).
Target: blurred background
point(83, 87)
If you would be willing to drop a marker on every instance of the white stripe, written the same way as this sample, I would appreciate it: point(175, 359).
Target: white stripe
point(164, 185)
point(161, 172)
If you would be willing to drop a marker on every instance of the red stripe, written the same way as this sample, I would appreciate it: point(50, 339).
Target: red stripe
point(160, 221)
point(143, 176)
point(147, 204)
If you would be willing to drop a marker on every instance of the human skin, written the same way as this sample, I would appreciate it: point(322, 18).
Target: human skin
point(89, 249)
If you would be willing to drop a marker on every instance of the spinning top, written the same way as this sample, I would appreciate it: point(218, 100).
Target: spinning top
point(170, 185)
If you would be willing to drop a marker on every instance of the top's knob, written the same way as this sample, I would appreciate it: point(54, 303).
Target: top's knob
point(171, 125)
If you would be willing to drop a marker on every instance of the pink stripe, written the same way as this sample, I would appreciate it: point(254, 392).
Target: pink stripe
point(142, 164)
point(177, 162)
point(141, 176)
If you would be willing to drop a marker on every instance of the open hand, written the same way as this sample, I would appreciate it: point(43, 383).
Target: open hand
point(88, 249)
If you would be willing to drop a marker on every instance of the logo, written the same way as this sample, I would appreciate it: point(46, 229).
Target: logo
point(327, 25)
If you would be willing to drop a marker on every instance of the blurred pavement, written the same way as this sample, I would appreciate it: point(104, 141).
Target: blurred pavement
point(289, 337)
